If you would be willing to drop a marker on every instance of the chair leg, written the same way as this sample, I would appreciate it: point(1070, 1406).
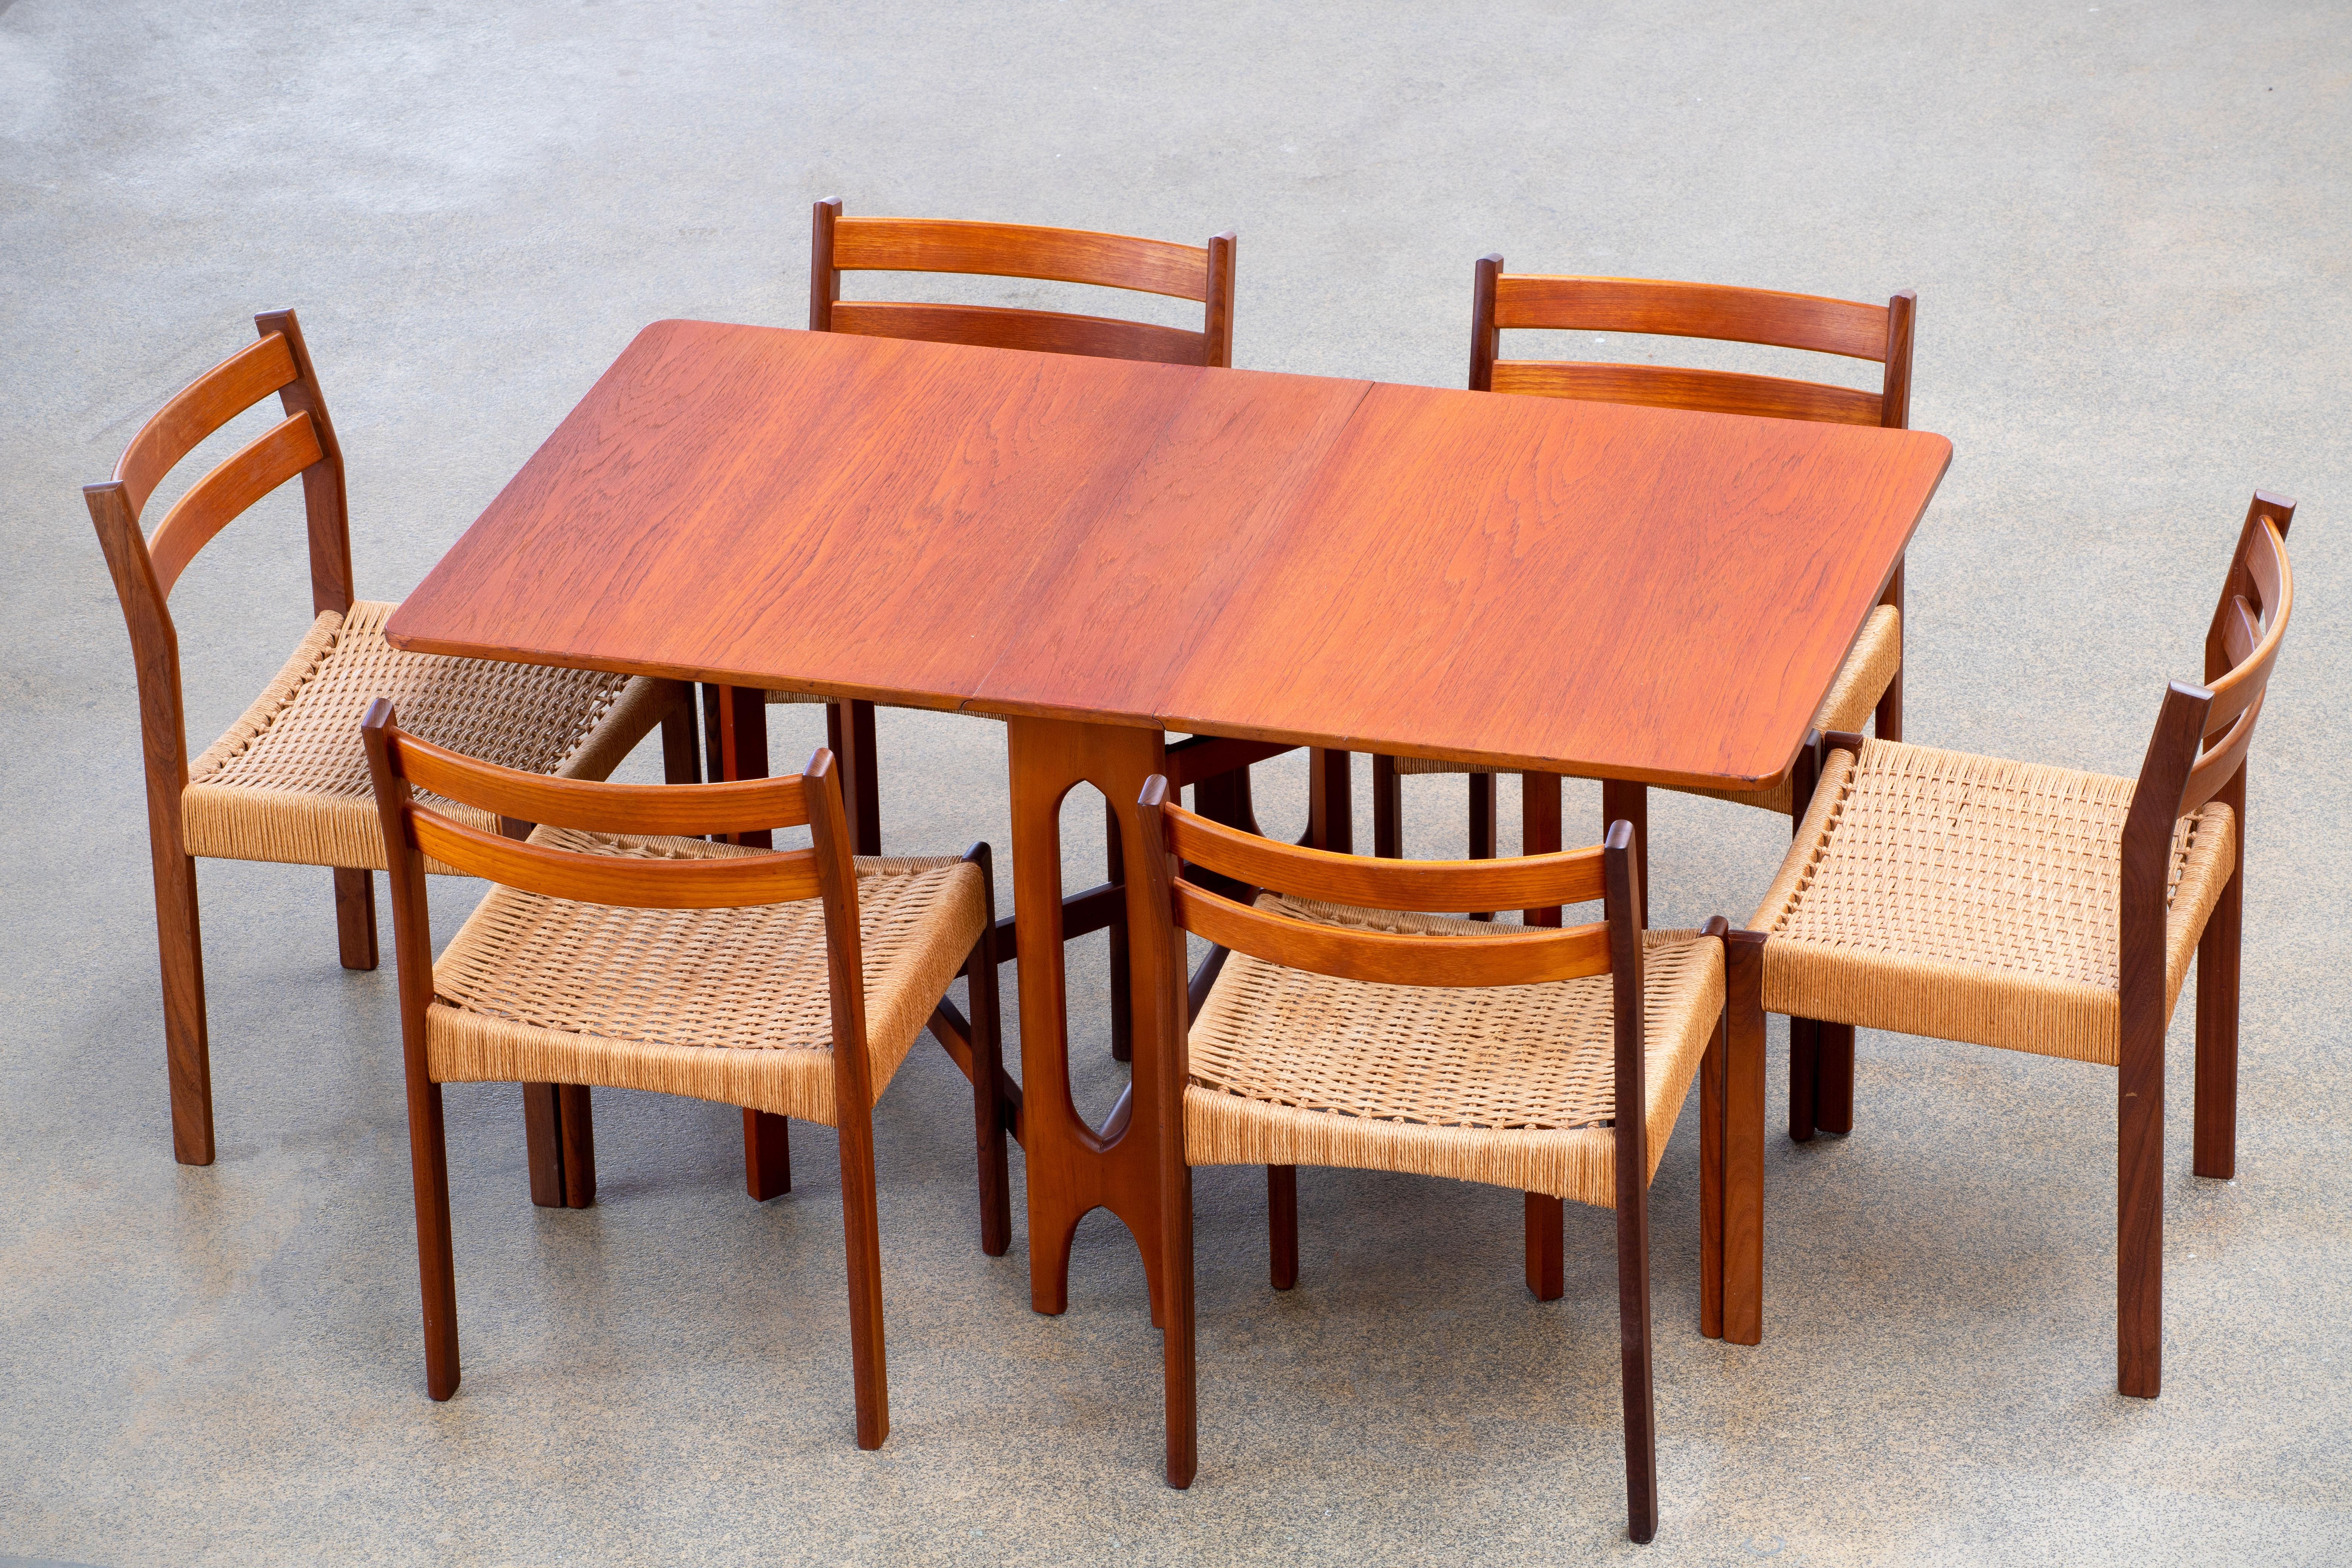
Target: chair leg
point(987, 1068)
point(436, 1263)
point(1833, 1078)
point(767, 1154)
point(1633, 1338)
point(1122, 1001)
point(1539, 834)
point(2139, 1240)
point(579, 1134)
point(1743, 1138)
point(1388, 809)
point(542, 1129)
point(1711, 1086)
point(355, 917)
point(1547, 1220)
point(862, 1236)
point(2218, 956)
point(1482, 825)
point(187, 1053)
point(1282, 1224)
point(1804, 1079)
point(1180, 1385)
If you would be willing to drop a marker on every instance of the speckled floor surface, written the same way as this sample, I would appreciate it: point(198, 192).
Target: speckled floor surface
point(2128, 224)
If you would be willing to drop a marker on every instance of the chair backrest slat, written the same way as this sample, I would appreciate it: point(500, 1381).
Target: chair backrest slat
point(1039, 331)
point(1020, 250)
point(201, 407)
point(221, 497)
point(730, 882)
point(1651, 307)
point(2248, 633)
point(399, 763)
point(1656, 308)
point(1487, 957)
point(1204, 274)
point(2242, 645)
point(1710, 391)
point(2240, 632)
point(1386, 959)
point(745, 806)
point(1534, 882)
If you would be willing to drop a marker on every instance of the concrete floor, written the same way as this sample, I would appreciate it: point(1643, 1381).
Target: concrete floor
point(2128, 224)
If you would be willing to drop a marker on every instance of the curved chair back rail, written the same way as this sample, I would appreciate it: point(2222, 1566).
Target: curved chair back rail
point(1204, 274)
point(1514, 958)
point(303, 444)
point(2243, 644)
point(744, 806)
point(1573, 877)
point(1507, 958)
point(1808, 321)
point(400, 760)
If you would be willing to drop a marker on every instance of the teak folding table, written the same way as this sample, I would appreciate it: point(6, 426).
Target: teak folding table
point(1106, 552)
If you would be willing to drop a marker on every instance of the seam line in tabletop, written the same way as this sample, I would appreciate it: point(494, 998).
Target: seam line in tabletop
point(1148, 713)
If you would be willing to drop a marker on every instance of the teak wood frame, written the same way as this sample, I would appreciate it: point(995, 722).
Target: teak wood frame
point(826, 871)
point(1183, 846)
point(2196, 754)
point(1882, 334)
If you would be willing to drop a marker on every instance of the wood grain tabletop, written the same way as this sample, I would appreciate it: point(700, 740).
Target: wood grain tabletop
point(1590, 588)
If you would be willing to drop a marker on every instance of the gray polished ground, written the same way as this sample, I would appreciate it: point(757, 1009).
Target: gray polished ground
point(2128, 226)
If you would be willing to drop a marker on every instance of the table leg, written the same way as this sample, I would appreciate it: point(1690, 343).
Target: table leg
point(1073, 1168)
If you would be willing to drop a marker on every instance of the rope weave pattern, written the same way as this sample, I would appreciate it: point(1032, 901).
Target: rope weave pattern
point(1861, 681)
point(1973, 898)
point(730, 1004)
point(1513, 1086)
point(288, 782)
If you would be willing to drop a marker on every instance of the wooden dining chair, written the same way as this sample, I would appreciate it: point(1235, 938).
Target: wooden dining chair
point(2043, 909)
point(288, 782)
point(1871, 680)
point(613, 951)
point(1346, 1029)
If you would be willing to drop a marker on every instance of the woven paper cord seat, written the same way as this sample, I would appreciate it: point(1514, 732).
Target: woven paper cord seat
point(1861, 681)
point(1513, 1086)
point(288, 782)
point(727, 1005)
point(1972, 898)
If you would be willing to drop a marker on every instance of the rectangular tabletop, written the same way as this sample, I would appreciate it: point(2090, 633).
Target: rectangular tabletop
point(1578, 587)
